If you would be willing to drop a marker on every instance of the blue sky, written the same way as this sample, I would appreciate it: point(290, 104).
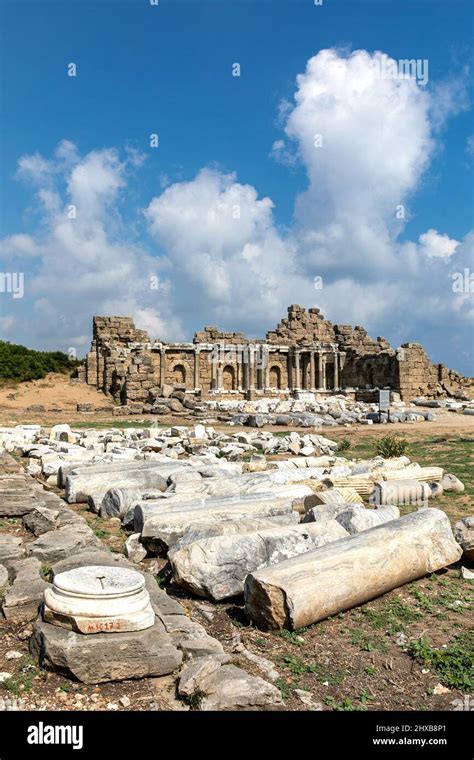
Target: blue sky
point(143, 69)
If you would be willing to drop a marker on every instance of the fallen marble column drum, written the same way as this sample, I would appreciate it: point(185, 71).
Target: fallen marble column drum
point(79, 486)
point(351, 571)
point(162, 526)
point(217, 567)
point(413, 492)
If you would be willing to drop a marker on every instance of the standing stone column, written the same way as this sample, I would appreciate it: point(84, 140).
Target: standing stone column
point(162, 366)
point(245, 368)
point(321, 378)
point(238, 373)
point(251, 366)
point(215, 367)
point(196, 369)
point(336, 370)
point(267, 368)
point(304, 370)
point(297, 371)
point(289, 369)
point(312, 371)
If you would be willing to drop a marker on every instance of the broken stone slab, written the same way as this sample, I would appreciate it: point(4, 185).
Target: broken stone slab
point(266, 666)
point(412, 492)
point(105, 657)
point(92, 556)
point(3, 578)
point(216, 568)
point(331, 496)
point(196, 673)
point(225, 687)
point(68, 518)
point(11, 549)
point(134, 549)
point(62, 543)
point(324, 512)
point(19, 504)
point(25, 569)
point(41, 520)
point(164, 525)
point(190, 637)
point(23, 599)
point(464, 535)
point(452, 483)
point(414, 472)
point(162, 603)
point(351, 571)
point(357, 518)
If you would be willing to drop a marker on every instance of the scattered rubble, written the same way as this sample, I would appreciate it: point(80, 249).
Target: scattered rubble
point(283, 520)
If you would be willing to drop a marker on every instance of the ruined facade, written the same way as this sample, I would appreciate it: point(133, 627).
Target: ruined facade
point(305, 353)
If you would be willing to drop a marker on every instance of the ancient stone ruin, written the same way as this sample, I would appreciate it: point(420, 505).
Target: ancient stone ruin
point(305, 354)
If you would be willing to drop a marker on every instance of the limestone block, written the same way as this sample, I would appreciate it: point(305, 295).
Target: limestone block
point(41, 520)
point(105, 656)
point(464, 535)
point(452, 483)
point(11, 548)
point(62, 543)
point(23, 598)
point(224, 687)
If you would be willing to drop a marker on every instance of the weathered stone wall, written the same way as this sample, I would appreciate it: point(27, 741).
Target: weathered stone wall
point(125, 364)
point(301, 326)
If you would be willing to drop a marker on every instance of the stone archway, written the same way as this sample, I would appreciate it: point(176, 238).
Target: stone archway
point(275, 377)
point(228, 378)
point(179, 374)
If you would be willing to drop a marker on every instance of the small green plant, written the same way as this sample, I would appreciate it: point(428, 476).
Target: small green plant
point(391, 446)
point(423, 601)
point(370, 670)
point(164, 576)
point(66, 687)
point(394, 616)
point(22, 680)
point(344, 444)
point(195, 699)
point(285, 687)
point(454, 664)
point(297, 666)
point(365, 696)
point(293, 637)
point(367, 643)
point(346, 705)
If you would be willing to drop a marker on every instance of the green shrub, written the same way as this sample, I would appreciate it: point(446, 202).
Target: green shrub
point(391, 446)
point(343, 444)
point(21, 363)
